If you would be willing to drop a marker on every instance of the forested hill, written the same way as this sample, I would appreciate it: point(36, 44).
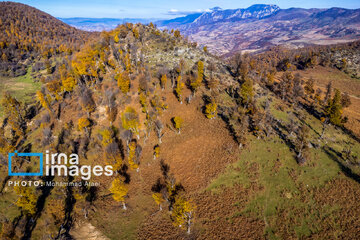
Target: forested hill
point(26, 32)
point(253, 147)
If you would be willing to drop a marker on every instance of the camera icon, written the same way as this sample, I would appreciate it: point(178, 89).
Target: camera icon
point(40, 155)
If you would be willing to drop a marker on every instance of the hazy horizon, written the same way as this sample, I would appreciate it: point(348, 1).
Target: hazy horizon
point(161, 9)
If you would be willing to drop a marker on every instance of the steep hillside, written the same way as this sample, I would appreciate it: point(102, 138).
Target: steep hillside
point(201, 148)
point(26, 33)
point(261, 26)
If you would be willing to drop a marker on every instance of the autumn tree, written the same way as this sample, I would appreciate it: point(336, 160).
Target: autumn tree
point(182, 213)
point(113, 155)
point(158, 105)
point(83, 124)
point(345, 100)
point(298, 90)
point(210, 110)
point(179, 88)
point(27, 199)
point(286, 85)
point(54, 88)
point(106, 136)
point(119, 191)
point(123, 81)
point(86, 101)
point(156, 151)
point(133, 156)
point(68, 84)
point(111, 107)
point(163, 81)
point(158, 198)
point(14, 112)
point(328, 92)
point(301, 143)
point(158, 128)
point(6, 146)
point(130, 121)
point(196, 83)
point(143, 101)
point(178, 123)
point(270, 78)
point(334, 110)
point(309, 87)
point(177, 34)
point(246, 92)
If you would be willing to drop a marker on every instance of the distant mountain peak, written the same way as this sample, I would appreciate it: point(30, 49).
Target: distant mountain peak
point(257, 11)
point(261, 6)
point(216, 9)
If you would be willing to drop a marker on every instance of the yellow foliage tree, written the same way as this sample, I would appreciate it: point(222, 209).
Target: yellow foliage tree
point(116, 38)
point(158, 198)
point(27, 199)
point(182, 213)
point(127, 62)
point(179, 88)
point(43, 100)
point(200, 76)
point(83, 123)
point(158, 104)
point(123, 81)
point(163, 81)
point(69, 84)
point(130, 121)
point(143, 102)
point(156, 151)
point(178, 123)
point(107, 136)
point(14, 112)
point(136, 32)
point(54, 88)
point(210, 110)
point(177, 34)
point(119, 190)
point(132, 156)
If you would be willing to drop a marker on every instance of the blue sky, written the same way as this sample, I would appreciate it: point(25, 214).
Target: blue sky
point(163, 8)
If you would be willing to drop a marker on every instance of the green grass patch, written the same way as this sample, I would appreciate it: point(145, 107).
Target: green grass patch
point(286, 201)
point(23, 88)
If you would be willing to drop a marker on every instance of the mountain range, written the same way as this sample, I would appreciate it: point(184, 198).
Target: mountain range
point(258, 27)
point(261, 26)
point(100, 24)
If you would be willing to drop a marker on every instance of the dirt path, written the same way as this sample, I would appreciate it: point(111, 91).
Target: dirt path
point(86, 231)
